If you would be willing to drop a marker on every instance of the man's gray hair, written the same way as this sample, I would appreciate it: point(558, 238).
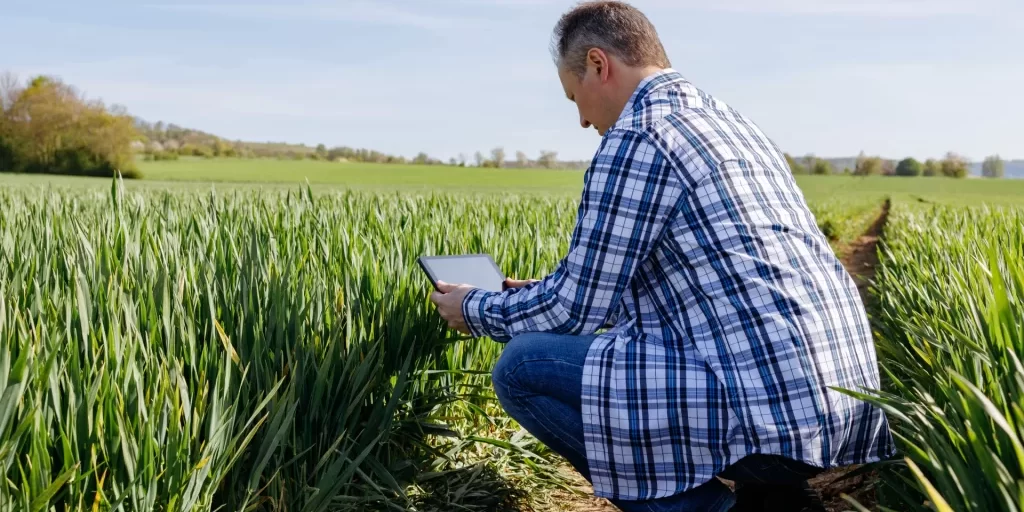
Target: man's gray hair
point(615, 27)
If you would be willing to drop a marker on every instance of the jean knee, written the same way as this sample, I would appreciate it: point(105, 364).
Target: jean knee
point(515, 352)
point(500, 380)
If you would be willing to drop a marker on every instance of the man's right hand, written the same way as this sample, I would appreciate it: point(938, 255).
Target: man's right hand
point(516, 283)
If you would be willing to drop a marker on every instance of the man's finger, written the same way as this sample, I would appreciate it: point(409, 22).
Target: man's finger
point(435, 297)
point(445, 287)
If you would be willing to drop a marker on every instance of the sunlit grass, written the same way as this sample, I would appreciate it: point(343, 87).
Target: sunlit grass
point(950, 322)
point(261, 351)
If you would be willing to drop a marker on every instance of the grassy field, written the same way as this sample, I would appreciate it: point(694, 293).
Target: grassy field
point(364, 176)
point(444, 178)
point(198, 174)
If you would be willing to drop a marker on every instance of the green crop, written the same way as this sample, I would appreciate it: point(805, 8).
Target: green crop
point(262, 351)
point(843, 218)
point(950, 321)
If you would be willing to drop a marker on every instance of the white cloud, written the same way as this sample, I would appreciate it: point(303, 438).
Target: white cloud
point(382, 13)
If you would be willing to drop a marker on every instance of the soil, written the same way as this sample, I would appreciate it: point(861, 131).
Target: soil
point(860, 258)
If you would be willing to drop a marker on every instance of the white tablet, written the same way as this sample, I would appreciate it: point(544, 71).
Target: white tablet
point(478, 270)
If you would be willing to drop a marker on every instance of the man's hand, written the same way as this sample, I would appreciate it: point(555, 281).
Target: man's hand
point(449, 304)
point(515, 283)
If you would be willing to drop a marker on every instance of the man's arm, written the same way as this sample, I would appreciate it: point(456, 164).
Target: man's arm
point(629, 196)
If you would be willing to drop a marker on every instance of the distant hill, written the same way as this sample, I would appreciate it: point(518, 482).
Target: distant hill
point(160, 141)
point(160, 137)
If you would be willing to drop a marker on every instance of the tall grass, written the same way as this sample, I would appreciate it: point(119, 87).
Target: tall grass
point(950, 319)
point(242, 351)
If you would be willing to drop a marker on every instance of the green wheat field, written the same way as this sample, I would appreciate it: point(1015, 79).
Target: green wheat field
point(255, 335)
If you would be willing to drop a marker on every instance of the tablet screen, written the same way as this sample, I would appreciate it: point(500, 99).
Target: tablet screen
point(478, 270)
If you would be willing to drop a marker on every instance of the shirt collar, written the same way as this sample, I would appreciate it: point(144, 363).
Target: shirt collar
point(647, 85)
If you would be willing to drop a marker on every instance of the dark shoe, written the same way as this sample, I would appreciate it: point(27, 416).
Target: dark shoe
point(749, 498)
point(764, 498)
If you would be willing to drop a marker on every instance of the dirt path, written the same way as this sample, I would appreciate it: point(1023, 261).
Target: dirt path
point(860, 258)
point(861, 255)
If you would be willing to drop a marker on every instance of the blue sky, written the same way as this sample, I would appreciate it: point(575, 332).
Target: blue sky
point(828, 77)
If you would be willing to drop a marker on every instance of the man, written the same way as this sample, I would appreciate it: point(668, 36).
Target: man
point(732, 320)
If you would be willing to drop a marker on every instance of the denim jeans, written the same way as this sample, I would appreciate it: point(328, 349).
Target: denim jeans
point(539, 380)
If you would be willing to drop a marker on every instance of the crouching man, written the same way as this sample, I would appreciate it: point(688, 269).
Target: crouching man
point(731, 317)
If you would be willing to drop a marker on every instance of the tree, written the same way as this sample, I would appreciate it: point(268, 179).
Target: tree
point(220, 148)
point(954, 166)
point(548, 159)
point(421, 158)
point(909, 167)
point(48, 127)
point(10, 89)
point(931, 168)
point(498, 156)
point(522, 160)
point(809, 160)
point(888, 168)
point(822, 167)
point(868, 166)
point(452, 162)
point(462, 159)
point(795, 166)
point(479, 159)
point(993, 167)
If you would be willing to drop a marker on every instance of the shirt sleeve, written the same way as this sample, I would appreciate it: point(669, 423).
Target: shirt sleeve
point(630, 194)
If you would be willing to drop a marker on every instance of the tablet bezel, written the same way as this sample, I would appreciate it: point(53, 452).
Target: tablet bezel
point(423, 260)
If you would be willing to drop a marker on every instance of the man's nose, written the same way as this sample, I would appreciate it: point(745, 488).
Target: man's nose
point(584, 123)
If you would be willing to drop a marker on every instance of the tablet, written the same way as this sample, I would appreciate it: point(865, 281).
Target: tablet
point(478, 270)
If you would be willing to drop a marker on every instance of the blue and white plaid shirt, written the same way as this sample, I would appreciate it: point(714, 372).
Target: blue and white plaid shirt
point(732, 315)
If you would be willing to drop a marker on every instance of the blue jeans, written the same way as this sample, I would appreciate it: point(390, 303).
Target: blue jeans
point(539, 381)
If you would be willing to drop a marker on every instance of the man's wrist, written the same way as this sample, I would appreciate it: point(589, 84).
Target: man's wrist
point(474, 311)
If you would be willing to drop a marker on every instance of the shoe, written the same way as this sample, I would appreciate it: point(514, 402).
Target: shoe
point(749, 498)
point(763, 498)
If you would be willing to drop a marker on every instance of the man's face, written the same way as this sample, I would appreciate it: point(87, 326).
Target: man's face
point(587, 94)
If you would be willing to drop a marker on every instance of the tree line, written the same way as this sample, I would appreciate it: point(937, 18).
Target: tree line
point(47, 126)
point(951, 166)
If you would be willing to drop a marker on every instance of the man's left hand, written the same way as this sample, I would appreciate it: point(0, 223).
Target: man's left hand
point(449, 304)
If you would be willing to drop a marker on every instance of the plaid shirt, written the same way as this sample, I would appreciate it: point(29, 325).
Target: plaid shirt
point(732, 315)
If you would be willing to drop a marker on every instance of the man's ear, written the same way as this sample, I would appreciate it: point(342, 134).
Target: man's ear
point(597, 58)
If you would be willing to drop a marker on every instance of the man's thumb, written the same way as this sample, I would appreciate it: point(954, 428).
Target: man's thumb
point(444, 287)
